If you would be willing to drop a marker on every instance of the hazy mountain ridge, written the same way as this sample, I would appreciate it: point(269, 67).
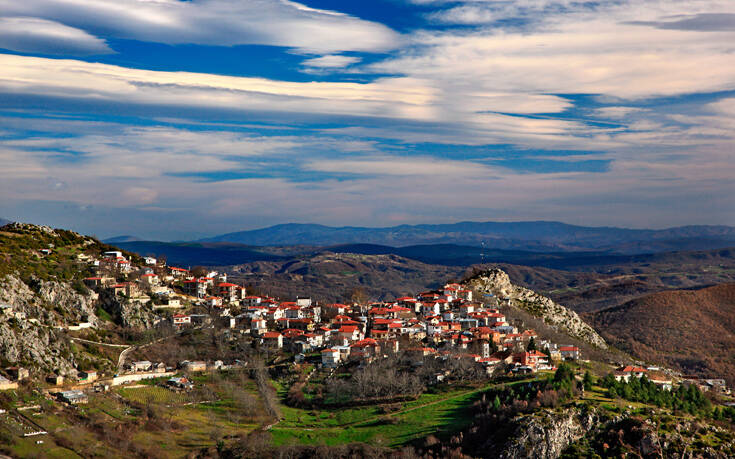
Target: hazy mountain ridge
point(532, 236)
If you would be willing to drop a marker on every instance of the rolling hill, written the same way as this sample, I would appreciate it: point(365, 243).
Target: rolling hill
point(693, 330)
point(541, 236)
point(331, 277)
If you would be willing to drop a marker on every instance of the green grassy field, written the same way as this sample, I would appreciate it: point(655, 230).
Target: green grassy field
point(438, 413)
point(155, 394)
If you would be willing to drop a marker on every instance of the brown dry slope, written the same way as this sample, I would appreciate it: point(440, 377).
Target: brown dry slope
point(330, 277)
point(693, 330)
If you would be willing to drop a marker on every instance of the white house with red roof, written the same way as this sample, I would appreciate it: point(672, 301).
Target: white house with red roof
point(569, 352)
point(229, 291)
point(272, 339)
point(180, 320)
point(150, 279)
point(364, 349)
point(629, 371)
point(195, 287)
point(350, 333)
point(330, 358)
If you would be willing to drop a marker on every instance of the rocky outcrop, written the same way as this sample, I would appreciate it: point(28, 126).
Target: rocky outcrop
point(547, 434)
point(126, 312)
point(497, 282)
point(35, 346)
point(52, 303)
point(29, 332)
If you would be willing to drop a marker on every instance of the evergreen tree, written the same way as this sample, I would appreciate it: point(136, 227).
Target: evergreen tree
point(587, 381)
point(531, 345)
point(496, 403)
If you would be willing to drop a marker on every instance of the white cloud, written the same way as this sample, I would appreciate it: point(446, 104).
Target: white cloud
point(214, 22)
point(33, 35)
point(470, 115)
point(331, 61)
point(724, 106)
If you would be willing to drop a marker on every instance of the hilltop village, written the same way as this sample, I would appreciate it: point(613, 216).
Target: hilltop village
point(441, 324)
point(446, 324)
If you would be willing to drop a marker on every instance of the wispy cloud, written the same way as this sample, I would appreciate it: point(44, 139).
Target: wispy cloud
point(214, 22)
point(33, 35)
point(331, 61)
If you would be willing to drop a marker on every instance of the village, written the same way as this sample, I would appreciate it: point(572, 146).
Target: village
point(447, 323)
point(440, 324)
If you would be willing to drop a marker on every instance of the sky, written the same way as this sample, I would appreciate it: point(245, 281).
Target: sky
point(173, 119)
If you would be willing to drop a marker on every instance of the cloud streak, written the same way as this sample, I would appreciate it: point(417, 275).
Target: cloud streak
point(33, 35)
point(214, 22)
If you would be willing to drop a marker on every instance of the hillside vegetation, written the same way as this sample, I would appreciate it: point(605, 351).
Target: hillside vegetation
point(692, 330)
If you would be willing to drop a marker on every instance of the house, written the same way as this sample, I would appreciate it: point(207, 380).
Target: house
point(249, 301)
point(503, 356)
point(178, 272)
point(56, 380)
point(179, 383)
point(330, 358)
point(569, 352)
point(303, 301)
point(661, 380)
point(126, 288)
point(180, 320)
point(95, 282)
point(169, 303)
point(196, 287)
point(87, 376)
point(141, 365)
point(532, 359)
point(466, 309)
point(150, 260)
point(149, 279)
point(73, 397)
point(273, 339)
point(350, 333)
point(364, 349)
point(627, 372)
point(200, 319)
point(214, 301)
point(198, 365)
point(18, 373)
point(229, 291)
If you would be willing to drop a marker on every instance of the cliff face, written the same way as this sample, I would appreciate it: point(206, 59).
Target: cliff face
point(127, 313)
point(498, 283)
point(28, 331)
point(546, 435)
point(580, 432)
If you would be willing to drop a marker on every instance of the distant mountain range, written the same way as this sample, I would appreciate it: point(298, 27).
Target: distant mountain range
point(538, 236)
point(4, 222)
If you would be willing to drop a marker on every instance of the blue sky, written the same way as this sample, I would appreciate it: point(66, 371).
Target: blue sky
point(175, 119)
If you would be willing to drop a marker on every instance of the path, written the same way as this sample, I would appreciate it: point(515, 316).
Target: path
point(99, 343)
